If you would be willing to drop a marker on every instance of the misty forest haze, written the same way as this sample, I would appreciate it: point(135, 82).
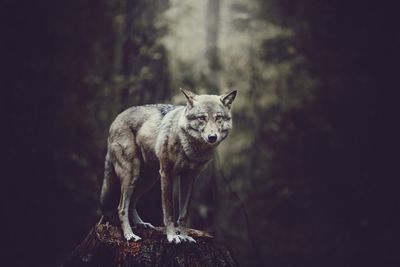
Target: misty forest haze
point(312, 154)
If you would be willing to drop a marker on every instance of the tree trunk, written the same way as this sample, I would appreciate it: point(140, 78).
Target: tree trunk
point(105, 246)
point(212, 57)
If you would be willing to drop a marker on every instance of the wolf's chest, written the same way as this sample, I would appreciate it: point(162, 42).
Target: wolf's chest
point(183, 163)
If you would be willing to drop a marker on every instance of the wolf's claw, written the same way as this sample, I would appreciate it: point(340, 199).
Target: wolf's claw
point(187, 238)
point(190, 239)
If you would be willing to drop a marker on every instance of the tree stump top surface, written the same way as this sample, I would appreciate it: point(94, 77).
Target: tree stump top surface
point(105, 246)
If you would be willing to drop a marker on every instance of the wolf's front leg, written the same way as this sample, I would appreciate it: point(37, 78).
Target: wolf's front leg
point(166, 198)
point(185, 195)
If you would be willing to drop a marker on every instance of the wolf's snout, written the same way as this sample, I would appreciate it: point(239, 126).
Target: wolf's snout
point(212, 138)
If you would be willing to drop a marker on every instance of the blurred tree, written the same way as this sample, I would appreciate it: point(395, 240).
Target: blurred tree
point(314, 149)
point(211, 72)
point(307, 79)
point(73, 66)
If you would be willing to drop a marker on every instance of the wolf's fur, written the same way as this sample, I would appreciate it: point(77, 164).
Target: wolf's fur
point(177, 141)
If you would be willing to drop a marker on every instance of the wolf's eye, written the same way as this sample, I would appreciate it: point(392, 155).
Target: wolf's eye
point(202, 118)
point(218, 117)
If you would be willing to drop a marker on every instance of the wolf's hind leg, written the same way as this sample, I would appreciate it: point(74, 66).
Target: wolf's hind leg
point(127, 168)
point(139, 222)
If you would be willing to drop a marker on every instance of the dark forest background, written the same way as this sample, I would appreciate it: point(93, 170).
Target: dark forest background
point(313, 154)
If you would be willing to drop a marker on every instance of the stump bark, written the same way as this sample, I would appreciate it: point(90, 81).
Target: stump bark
point(105, 247)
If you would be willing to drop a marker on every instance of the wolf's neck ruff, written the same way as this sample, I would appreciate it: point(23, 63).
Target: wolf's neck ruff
point(195, 150)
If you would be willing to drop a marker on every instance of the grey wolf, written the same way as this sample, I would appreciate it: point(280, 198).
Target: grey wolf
point(176, 141)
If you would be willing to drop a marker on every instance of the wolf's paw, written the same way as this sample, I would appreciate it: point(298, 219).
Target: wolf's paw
point(146, 225)
point(182, 232)
point(175, 238)
point(131, 237)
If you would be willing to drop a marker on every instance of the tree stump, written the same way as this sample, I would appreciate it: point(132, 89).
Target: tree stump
point(105, 247)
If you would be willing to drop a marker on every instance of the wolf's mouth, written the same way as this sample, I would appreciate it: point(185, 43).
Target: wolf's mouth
point(214, 143)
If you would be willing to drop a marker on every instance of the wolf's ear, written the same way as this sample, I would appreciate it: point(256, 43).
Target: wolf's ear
point(228, 98)
point(189, 96)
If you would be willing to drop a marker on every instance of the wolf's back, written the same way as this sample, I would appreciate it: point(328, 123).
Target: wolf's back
point(130, 120)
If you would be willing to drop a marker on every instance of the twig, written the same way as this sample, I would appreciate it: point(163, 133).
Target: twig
point(245, 214)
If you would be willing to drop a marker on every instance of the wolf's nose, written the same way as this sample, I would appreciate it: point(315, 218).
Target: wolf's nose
point(212, 138)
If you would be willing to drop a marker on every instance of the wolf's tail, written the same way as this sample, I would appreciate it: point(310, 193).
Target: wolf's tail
point(109, 191)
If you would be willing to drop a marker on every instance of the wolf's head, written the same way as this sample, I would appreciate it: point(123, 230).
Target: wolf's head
point(208, 117)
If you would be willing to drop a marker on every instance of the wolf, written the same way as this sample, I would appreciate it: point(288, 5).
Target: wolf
point(176, 141)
